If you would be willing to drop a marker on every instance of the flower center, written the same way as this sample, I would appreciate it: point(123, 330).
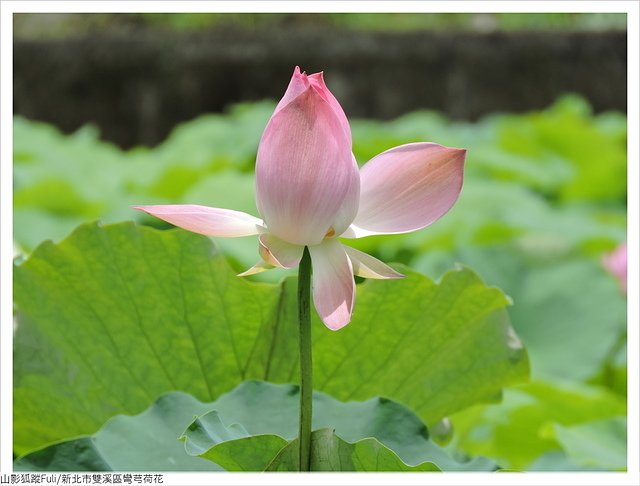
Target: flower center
point(330, 233)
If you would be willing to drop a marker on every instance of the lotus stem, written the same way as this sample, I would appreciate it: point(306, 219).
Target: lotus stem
point(306, 385)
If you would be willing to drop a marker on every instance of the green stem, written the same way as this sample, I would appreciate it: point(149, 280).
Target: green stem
point(306, 386)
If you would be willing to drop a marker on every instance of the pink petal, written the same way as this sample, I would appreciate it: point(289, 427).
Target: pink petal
point(298, 84)
point(307, 182)
point(279, 253)
point(317, 81)
point(616, 263)
point(206, 220)
point(333, 284)
point(407, 188)
point(369, 267)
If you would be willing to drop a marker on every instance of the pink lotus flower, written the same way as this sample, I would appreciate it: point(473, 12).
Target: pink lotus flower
point(309, 192)
point(616, 263)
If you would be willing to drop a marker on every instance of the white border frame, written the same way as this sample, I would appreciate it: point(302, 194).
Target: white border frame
point(630, 7)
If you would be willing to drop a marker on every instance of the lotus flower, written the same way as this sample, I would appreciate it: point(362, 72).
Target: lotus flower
point(616, 264)
point(309, 192)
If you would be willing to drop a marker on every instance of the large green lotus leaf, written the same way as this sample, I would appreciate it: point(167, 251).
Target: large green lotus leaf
point(242, 454)
point(330, 453)
point(423, 344)
point(113, 317)
point(249, 454)
point(144, 442)
point(568, 310)
point(149, 441)
point(72, 455)
point(252, 404)
point(521, 433)
point(571, 315)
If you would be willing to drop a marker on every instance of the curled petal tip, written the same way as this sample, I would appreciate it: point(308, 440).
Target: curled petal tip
point(366, 266)
point(299, 73)
point(397, 276)
point(257, 268)
point(319, 76)
point(461, 151)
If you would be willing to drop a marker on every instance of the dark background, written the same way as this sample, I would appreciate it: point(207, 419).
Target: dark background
point(135, 77)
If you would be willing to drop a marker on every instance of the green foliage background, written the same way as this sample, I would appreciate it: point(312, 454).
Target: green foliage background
point(544, 197)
